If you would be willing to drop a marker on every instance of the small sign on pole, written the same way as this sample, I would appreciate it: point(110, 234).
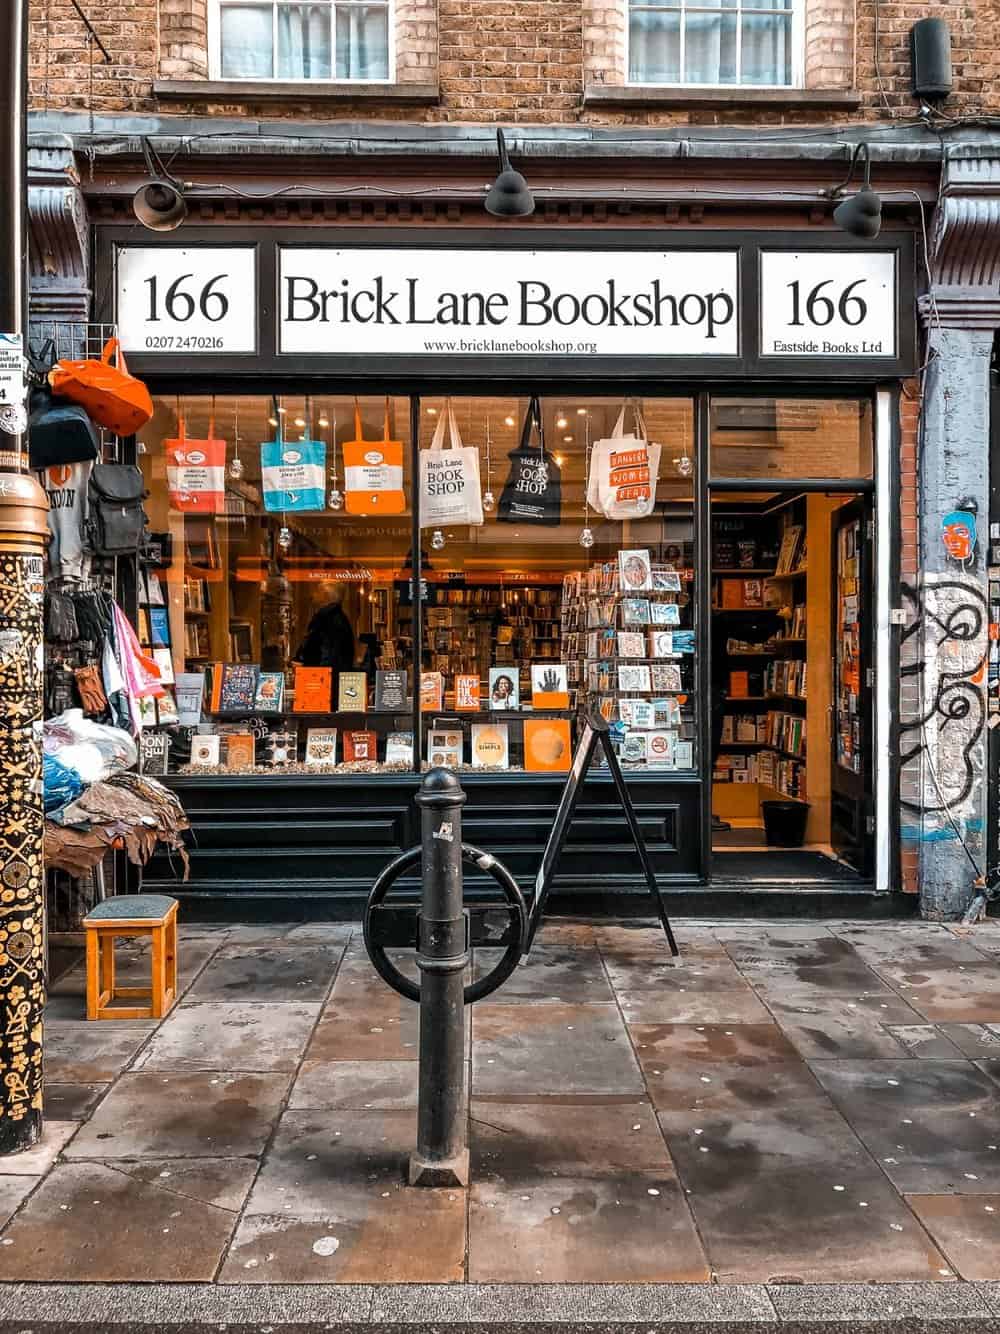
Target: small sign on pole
point(595, 733)
point(12, 384)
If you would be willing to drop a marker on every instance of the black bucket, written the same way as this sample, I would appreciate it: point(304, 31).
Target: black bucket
point(785, 823)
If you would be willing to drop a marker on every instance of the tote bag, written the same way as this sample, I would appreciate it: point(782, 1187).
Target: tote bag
point(196, 472)
point(533, 492)
point(113, 398)
point(293, 475)
point(623, 472)
point(449, 478)
point(373, 472)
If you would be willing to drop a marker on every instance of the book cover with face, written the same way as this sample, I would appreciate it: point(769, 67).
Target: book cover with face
point(504, 688)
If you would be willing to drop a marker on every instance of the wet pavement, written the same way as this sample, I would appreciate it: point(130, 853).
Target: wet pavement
point(787, 1105)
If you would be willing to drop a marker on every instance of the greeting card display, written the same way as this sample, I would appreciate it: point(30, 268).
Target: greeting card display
point(631, 644)
point(660, 749)
point(664, 613)
point(635, 571)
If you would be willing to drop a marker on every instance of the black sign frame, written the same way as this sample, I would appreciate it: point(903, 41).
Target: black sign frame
point(428, 371)
point(596, 732)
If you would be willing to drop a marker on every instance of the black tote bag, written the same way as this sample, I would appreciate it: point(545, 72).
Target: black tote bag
point(533, 492)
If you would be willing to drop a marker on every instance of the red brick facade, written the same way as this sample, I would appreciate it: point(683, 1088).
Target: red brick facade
point(515, 61)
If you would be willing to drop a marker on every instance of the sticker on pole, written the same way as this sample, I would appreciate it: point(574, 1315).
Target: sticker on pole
point(13, 418)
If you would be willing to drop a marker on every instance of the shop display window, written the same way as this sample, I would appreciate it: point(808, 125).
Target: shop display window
point(791, 438)
point(557, 576)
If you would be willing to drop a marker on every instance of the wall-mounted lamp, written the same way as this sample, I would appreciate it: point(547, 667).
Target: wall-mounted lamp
point(930, 59)
point(509, 196)
point(159, 205)
point(859, 214)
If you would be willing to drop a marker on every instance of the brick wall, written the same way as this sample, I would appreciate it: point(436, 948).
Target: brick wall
point(909, 561)
point(508, 60)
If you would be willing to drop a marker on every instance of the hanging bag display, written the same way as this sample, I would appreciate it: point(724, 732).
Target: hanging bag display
point(623, 471)
point(373, 472)
point(196, 471)
point(112, 398)
point(449, 478)
point(116, 524)
point(533, 493)
point(58, 431)
point(293, 475)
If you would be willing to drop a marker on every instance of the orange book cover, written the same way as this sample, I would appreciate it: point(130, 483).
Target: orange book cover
point(431, 692)
point(467, 693)
point(547, 745)
point(216, 670)
point(240, 750)
point(313, 688)
point(360, 746)
point(732, 593)
point(739, 684)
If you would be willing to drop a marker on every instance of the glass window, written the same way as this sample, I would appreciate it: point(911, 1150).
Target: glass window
point(550, 608)
point(342, 39)
point(281, 608)
point(794, 438)
point(711, 43)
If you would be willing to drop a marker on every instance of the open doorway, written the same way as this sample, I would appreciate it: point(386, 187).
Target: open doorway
point(791, 751)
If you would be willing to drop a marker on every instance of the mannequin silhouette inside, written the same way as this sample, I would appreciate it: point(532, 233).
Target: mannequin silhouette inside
point(329, 640)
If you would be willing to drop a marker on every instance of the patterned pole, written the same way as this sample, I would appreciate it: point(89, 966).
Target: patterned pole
point(23, 535)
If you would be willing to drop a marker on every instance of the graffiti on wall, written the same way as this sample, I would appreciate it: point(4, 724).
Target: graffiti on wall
point(958, 533)
point(943, 749)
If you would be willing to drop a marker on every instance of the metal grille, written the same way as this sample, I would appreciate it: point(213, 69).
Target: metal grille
point(72, 339)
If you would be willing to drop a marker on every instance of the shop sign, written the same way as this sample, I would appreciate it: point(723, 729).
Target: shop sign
point(821, 303)
point(187, 300)
point(553, 303)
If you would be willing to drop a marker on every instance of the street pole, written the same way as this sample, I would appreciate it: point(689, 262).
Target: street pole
point(442, 1154)
point(23, 535)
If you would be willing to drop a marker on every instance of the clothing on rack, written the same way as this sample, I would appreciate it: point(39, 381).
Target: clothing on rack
point(140, 673)
point(66, 485)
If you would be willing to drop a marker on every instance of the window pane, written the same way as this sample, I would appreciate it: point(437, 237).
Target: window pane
point(655, 48)
point(710, 48)
point(791, 437)
point(304, 42)
point(246, 42)
point(362, 42)
point(767, 49)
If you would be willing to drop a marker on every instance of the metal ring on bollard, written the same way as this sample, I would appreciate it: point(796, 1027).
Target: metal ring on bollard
point(475, 990)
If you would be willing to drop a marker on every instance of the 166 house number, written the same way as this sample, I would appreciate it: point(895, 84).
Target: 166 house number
point(828, 305)
point(188, 299)
point(179, 305)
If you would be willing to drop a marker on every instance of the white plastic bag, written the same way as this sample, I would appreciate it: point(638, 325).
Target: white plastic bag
point(94, 750)
point(623, 472)
point(449, 478)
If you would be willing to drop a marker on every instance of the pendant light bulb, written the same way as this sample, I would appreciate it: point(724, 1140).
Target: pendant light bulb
point(236, 468)
point(489, 502)
point(284, 538)
point(587, 538)
point(437, 539)
point(684, 465)
point(335, 500)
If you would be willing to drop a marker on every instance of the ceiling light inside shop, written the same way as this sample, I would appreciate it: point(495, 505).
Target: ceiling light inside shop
point(324, 421)
point(281, 411)
point(581, 412)
point(508, 421)
point(432, 412)
point(560, 460)
point(561, 422)
point(300, 421)
point(272, 421)
point(567, 439)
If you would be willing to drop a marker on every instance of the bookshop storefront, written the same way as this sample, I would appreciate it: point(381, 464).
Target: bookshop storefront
point(428, 497)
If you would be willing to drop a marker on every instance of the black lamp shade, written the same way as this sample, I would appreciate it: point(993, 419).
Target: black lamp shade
point(159, 205)
point(509, 196)
point(860, 214)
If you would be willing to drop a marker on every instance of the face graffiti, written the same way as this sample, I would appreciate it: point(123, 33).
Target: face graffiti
point(949, 624)
point(958, 533)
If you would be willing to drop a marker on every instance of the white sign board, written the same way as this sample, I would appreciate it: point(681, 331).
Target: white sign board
point(187, 301)
point(553, 303)
point(827, 303)
point(12, 386)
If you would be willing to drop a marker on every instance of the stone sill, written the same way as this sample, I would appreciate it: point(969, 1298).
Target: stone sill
point(634, 96)
point(248, 90)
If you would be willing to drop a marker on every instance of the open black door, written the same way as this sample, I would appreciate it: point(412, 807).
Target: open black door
point(851, 733)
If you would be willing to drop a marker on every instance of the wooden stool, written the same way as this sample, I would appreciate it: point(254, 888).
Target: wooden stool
point(131, 916)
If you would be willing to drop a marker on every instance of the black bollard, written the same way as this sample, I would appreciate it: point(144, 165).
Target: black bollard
point(442, 1153)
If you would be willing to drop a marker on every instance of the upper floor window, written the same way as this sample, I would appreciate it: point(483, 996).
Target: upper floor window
point(709, 43)
point(329, 39)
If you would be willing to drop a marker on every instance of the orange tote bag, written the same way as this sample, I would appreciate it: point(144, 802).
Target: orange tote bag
point(373, 472)
point(112, 398)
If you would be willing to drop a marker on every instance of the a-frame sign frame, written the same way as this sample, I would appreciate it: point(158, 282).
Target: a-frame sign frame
point(596, 732)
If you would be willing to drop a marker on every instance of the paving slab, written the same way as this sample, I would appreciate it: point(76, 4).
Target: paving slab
point(381, 1027)
point(89, 1222)
point(203, 1115)
point(329, 1204)
point(569, 973)
point(555, 1048)
point(630, 1228)
point(209, 1035)
point(977, 1041)
point(598, 1304)
point(355, 1084)
point(91, 1053)
point(71, 1102)
point(925, 1042)
point(918, 945)
point(783, 1198)
point(958, 994)
point(655, 971)
point(526, 1142)
point(823, 964)
point(13, 1191)
point(930, 1124)
point(693, 1005)
point(242, 973)
point(966, 1228)
point(37, 1160)
point(223, 1182)
point(841, 1026)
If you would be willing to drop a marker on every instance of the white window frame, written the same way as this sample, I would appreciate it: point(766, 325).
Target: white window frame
point(215, 47)
point(797, 39)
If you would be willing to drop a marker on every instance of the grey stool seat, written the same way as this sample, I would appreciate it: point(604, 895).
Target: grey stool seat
point(134, 907)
